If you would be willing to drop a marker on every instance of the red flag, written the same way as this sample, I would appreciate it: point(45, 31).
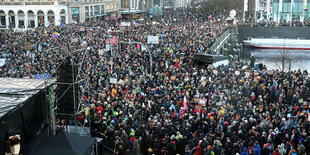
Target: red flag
point(184, 106)
point(138, 46)
point(119, 16)
point(114, 41)
point(117, 23)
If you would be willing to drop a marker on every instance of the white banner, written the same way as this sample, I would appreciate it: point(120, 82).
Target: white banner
point(2, 62)
point(257, 5)
point(152, 39)
point(280, 5)
point(245, 5)
point(125, 23)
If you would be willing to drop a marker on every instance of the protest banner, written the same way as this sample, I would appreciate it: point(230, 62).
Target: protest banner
point(152, 39)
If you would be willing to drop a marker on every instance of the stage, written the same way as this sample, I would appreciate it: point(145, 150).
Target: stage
point(23, 110)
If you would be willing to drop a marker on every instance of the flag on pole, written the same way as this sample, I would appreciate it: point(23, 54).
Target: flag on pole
point(184, 106)
point(293, 5)
point(305, 5)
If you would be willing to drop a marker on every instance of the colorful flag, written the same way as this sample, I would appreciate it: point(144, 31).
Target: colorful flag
point(293, 5)
point(63, 24)
point(305, 5)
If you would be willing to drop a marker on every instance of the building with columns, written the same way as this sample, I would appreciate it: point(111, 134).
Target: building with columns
point(33, 13)
point(20, 14)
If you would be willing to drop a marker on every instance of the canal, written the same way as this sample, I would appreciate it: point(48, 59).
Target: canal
point(273, 58)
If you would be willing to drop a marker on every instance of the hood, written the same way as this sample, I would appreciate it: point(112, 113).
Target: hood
point(245, 149)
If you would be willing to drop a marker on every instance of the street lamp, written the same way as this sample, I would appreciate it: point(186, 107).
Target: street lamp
point(109, 35)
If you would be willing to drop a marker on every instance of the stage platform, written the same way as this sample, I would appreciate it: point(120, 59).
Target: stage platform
point(23, 109)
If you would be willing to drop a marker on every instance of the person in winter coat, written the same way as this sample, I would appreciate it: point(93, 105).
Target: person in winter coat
point(244, 151)
point(282, 150)
point(276, 152)
point(217, 147)
point(198, 150)
point(301, 149)
point(266, 150)
point(209, 151)
point(171, 148)
point(136, 147)
point(257, 150)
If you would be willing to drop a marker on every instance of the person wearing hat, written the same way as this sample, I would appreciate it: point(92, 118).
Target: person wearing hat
point(209, 150)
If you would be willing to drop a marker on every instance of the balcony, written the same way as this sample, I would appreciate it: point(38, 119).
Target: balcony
point(39, 3)
point(12, 3)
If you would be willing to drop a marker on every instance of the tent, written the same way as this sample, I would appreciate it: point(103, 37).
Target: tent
point(65, 144)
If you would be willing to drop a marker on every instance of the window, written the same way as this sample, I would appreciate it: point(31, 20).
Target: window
point(107, 7)
point(96, 10)
point(86, 11)
point(102, 9)
point(21, 1)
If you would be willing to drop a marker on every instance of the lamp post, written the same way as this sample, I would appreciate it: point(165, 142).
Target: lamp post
point(109, 35)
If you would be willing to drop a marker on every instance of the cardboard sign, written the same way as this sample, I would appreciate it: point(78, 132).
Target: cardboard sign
point(28, 46)
point(121, 82)
point(219, 103)
point(172, 77)
point(204, 83)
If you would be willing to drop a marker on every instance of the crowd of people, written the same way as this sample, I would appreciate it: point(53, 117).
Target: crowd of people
point(182, 106)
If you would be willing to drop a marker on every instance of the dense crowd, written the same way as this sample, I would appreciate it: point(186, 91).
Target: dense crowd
point(182, 106)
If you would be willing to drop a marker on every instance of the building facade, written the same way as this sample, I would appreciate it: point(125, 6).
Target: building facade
point(280, 10)
point(299, 12)
point(29, 14)
point(33, 13)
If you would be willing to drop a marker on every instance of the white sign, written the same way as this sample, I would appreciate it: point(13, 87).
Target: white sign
point(113, 80)
point(237, 73)
point(152, 39)
point(125, 23)
point(202, 102)
point(2, 62)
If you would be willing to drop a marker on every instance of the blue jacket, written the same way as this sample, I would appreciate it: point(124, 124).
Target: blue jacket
point(244, 151)
point(257, 150)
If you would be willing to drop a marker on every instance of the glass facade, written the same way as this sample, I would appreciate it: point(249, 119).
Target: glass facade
point(297, 13)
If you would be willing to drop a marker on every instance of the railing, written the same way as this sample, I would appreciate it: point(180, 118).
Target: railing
point(39, 3)
point(222, 38)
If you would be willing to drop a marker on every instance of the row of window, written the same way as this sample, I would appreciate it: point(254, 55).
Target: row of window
point(97, 10)
point(12, 1)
